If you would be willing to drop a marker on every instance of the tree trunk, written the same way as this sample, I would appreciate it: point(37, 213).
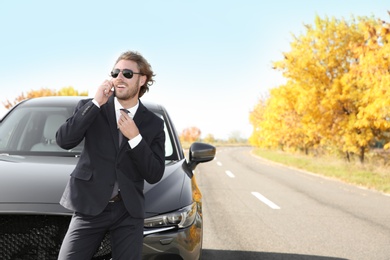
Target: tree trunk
point(361, 157)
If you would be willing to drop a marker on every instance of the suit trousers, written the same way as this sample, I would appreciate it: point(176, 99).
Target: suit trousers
point(85, 234)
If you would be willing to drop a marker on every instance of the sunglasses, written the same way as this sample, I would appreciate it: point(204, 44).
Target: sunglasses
point(126, 73)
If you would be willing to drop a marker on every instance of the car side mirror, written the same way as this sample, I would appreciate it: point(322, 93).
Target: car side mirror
point(200, 153)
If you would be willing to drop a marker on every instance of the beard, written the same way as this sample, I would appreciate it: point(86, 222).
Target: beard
point(130, 93)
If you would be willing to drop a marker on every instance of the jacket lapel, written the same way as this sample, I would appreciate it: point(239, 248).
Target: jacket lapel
point(138, 118)
point(109, 110)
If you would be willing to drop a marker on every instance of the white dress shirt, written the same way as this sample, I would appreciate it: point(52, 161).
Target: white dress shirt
point(136, 140)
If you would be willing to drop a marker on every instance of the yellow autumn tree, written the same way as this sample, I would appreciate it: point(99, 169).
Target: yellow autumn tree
point(366, 86)
point(70, 91)
point(320, 106)
point(256, 117)
point(316, 61)
point(209, 138)
point(43, 92)
point(273, 120)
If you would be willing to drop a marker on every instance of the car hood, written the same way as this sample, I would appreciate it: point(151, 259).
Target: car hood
point(34, 184)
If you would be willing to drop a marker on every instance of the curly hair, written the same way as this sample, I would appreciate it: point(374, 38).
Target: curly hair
point(143, 66)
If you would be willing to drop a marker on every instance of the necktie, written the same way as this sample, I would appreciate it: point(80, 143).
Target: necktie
point(120, 133)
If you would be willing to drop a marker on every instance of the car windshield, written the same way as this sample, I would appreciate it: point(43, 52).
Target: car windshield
point(31, 130)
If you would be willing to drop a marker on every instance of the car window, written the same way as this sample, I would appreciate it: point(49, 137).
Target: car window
point(31, 131)
point(168, 141)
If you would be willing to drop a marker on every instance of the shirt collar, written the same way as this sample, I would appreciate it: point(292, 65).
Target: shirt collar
point(118, 106)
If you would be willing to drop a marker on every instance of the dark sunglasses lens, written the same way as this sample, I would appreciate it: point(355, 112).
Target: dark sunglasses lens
point(127, 73)
point(115, 73)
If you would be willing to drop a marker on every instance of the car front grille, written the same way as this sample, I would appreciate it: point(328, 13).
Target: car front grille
point(38, 237)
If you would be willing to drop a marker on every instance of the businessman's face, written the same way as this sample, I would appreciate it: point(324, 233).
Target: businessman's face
point(127, 80)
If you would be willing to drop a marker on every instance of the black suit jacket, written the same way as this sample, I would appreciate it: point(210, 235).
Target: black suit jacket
point(103, 160)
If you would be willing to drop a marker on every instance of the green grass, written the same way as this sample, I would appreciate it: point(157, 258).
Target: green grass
point(369, 175)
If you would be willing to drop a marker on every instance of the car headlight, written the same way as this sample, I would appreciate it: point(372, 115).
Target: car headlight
point(181, 218)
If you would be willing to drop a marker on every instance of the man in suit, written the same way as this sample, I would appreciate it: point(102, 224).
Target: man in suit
point(122, 149)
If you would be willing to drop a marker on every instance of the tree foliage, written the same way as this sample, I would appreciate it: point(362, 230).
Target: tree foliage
point(337, 90)
point(209, 138)
point(190, 134)
point(43, 92)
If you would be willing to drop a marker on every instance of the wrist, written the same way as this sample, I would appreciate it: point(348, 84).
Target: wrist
point(96, 103)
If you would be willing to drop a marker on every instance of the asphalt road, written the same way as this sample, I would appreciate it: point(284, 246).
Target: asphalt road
point(255, 209)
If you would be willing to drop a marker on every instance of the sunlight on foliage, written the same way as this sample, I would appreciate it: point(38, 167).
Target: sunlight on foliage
point(337, 91)
point(44, 92)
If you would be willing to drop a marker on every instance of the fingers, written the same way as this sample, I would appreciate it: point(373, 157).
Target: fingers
point(107, 88)
point(104, 91)
point(123, 118)
point(127, 126)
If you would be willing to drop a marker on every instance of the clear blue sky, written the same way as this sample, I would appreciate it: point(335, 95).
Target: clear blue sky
point(212, 58)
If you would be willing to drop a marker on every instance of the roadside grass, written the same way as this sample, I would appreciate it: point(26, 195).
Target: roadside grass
point(369, 175)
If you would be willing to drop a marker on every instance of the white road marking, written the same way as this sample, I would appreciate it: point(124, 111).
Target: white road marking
point(219, 163)
point(230, 174)
point(265, 200)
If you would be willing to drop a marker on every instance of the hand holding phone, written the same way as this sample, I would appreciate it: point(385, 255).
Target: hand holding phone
point(104, 91)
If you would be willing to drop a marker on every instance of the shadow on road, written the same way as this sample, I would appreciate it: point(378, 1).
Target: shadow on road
point(210, 254)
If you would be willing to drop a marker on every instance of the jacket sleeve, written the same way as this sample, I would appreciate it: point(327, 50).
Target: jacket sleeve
point(72, 132)
point(149, 156)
